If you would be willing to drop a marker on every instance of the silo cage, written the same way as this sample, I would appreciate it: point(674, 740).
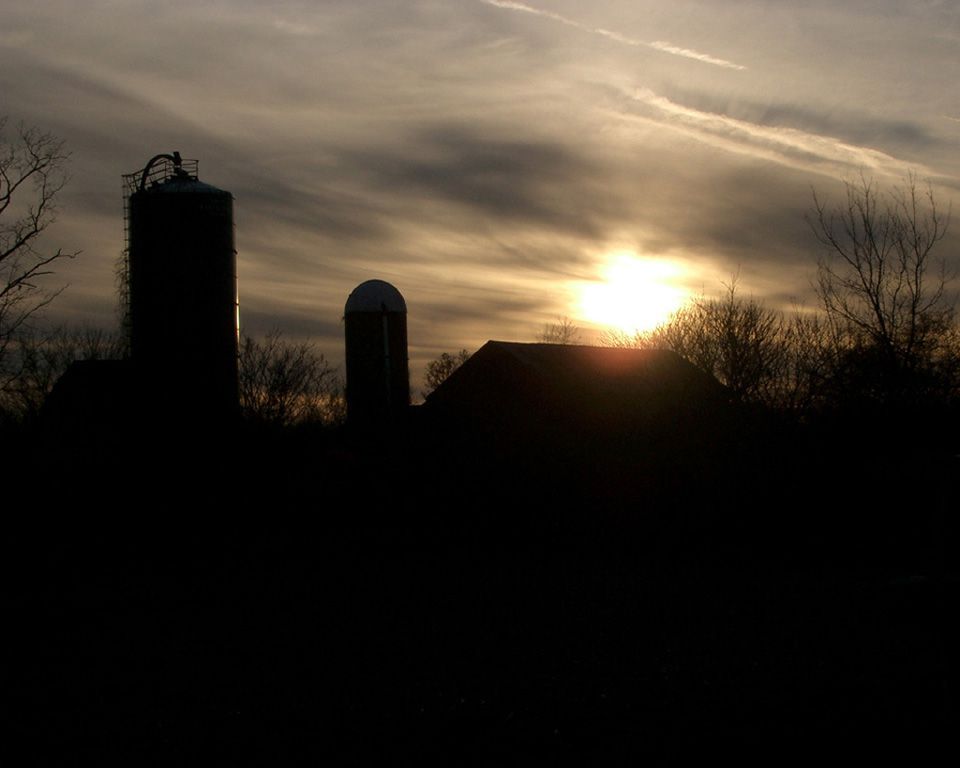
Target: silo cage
point(158, 171)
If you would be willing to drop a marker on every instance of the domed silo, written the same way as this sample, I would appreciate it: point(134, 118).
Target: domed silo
point(378, 382)
point(182, 286)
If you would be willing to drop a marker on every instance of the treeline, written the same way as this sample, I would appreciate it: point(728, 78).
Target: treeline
point(281, 382)
point(885, 335)
point(808, 360)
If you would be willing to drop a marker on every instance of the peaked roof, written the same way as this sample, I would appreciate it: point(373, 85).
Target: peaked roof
point(602, 389)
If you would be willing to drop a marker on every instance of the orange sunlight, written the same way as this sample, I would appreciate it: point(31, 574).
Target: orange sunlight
point(634, 294)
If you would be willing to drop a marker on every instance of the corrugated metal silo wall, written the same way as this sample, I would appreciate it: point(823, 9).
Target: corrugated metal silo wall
point(378, 381)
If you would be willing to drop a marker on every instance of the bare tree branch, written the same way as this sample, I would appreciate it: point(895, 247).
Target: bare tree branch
point(563, 331)
point(32, 174)
point(880, 283)
point(439, 370)
point(38, 360)
point(284, 383)
point(737, 340)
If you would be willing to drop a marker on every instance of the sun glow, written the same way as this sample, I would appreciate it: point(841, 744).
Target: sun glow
point(634, 295)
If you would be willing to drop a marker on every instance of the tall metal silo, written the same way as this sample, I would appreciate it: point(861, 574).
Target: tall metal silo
point(378, 381)
point(181, 281)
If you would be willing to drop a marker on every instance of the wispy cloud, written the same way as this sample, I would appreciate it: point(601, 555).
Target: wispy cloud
point(666, 47)
point(657, 45)
point(523, 184)
point(293, 28)
point(788, 146)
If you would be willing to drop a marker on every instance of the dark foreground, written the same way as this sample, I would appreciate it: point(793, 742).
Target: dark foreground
point(279, 598)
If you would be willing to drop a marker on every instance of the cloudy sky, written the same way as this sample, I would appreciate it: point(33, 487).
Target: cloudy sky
point(502, 163)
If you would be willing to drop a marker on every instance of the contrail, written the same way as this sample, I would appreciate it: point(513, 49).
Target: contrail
point(660, 45)
point(788, 146)
point(657, 45)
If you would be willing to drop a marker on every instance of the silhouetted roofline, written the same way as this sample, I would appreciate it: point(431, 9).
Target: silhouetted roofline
point(565, 373)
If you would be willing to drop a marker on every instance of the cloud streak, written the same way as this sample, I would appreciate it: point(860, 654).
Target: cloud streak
point(657, 45)
point(788, 146)
point(516, 183)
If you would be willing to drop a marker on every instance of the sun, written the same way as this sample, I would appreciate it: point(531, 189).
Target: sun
point(635, 294)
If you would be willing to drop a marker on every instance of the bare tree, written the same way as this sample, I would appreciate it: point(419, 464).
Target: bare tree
point(881, 284)
point(808, 364)
point(439, 370)
point(563, 331)
point(285, 383)
point(32, 175)
point(738, 340)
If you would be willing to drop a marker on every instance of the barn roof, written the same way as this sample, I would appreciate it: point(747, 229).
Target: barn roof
point(602, 389)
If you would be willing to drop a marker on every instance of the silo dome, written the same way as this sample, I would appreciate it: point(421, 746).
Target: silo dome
point(375, 296)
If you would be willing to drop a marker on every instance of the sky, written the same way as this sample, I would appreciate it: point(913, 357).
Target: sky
point(501, 163)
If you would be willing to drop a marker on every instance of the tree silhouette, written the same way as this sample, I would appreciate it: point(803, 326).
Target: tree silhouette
point(439, 369)
point(884, 290)
point(741, 342)
point(32, 175)
point(563, 331)
point(284, 383)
